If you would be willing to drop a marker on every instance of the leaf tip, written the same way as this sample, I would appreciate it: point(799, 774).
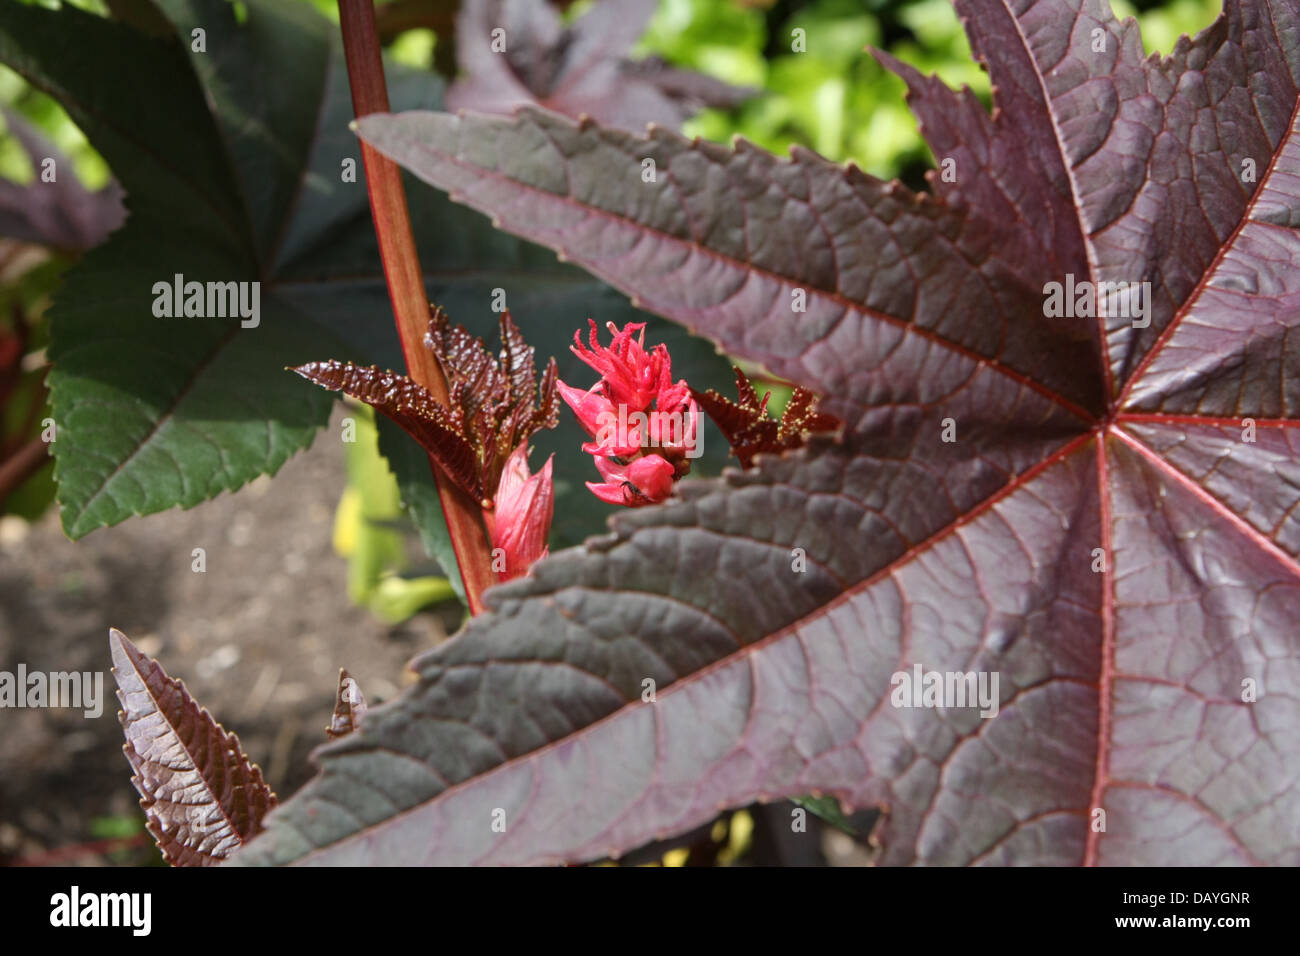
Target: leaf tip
point(349, 707)
point(124, 652)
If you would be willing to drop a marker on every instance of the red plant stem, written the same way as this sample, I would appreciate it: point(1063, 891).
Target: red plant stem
point(406, 284)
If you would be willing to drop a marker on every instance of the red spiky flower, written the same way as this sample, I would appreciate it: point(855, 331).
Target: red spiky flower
point(643, 425)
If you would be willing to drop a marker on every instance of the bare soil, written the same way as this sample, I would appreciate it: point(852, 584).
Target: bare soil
point(258, 638)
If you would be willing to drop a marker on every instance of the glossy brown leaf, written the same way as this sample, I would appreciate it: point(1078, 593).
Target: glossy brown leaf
point(494, 405)
point(410, 405)
point(203, 797)
point(497, 400)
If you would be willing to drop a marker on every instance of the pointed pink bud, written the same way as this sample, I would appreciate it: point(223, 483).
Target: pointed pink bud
point(652, 476)
point(521, 521)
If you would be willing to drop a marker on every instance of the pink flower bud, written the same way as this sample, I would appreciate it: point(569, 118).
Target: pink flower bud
point(521, 519)
point(643, 481)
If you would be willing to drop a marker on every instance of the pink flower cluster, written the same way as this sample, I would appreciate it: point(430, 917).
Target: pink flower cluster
point(643, 425)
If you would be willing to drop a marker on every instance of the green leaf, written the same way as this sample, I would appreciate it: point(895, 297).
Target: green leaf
point(828, 810)
point(155, 412)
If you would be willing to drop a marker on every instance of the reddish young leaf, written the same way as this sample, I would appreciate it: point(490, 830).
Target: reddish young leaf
point(410, 405)
point(494, 402)
point(748, 428)
point(1095, 507)
point(203, 798)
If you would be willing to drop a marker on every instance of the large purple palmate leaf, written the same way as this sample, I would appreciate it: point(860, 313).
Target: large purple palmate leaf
point(1097, 510)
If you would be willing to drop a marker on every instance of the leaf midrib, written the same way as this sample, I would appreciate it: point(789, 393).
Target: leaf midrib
point(1088, 249)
